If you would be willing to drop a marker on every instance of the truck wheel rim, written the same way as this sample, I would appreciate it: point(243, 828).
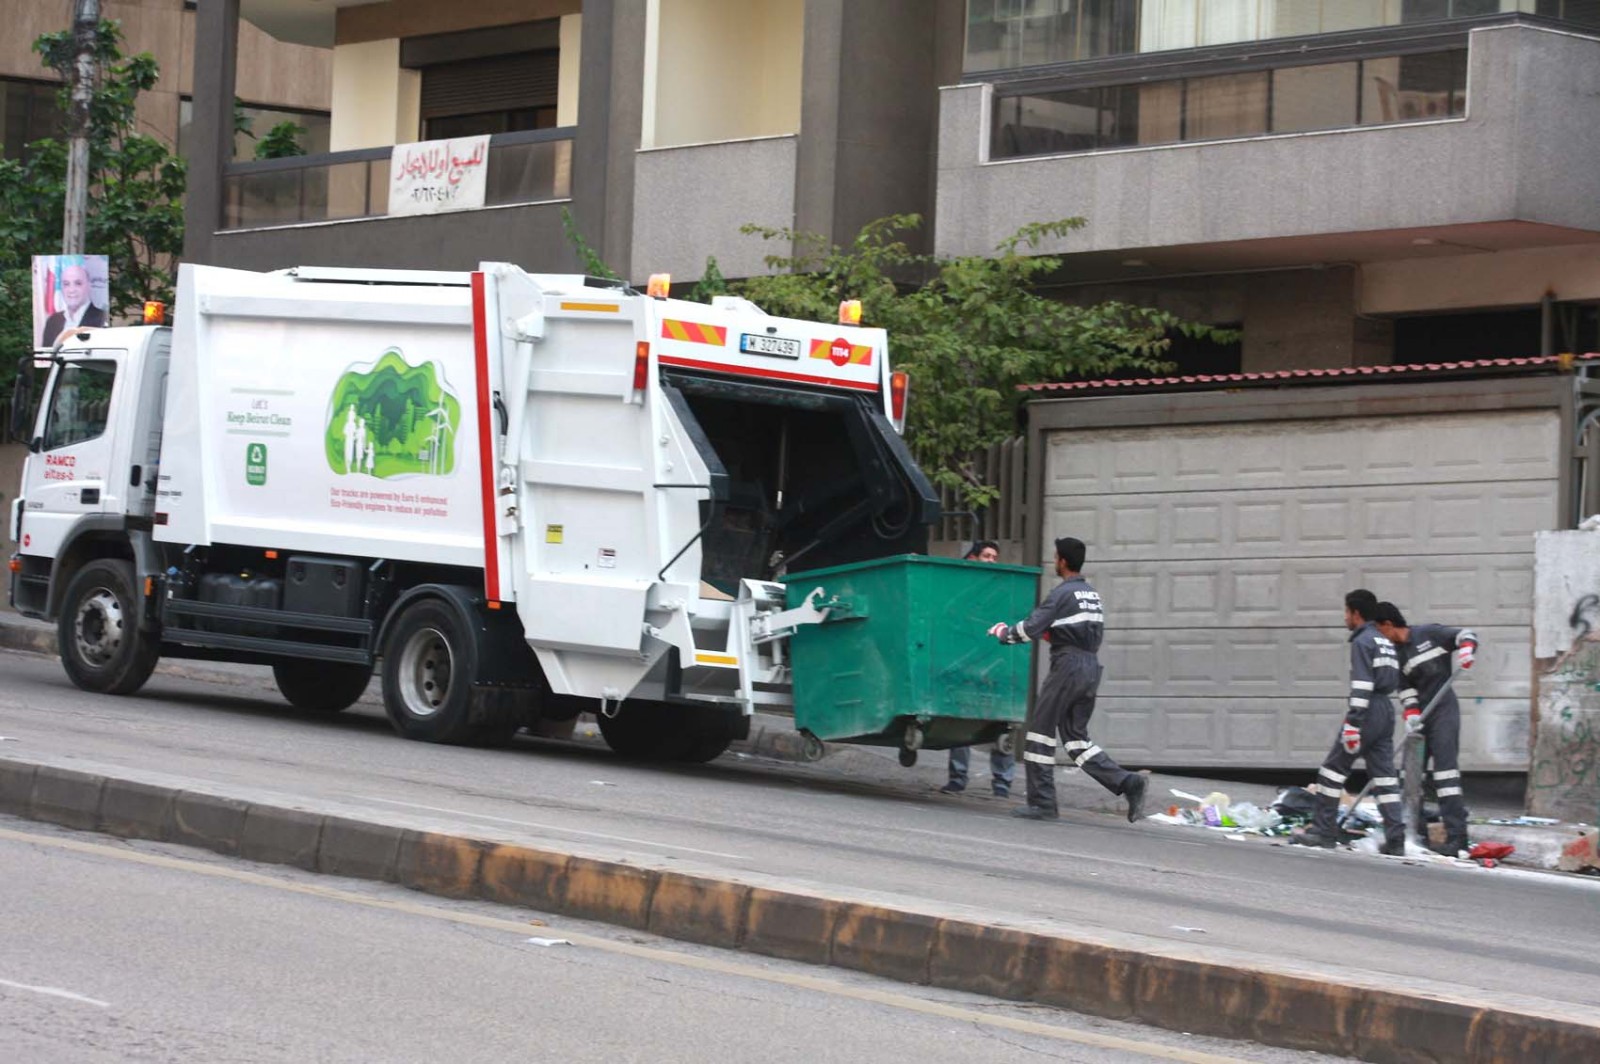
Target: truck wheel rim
point(426, 666)
point(97, 629)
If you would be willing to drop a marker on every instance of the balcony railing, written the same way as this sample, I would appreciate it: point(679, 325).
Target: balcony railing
point(530, 167)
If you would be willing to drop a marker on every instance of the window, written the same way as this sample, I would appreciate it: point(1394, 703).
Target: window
point(80, 403)
point(1007, 34)
point(31, 112)
point(492, 94)
point(261, 120)
point(1382, 91)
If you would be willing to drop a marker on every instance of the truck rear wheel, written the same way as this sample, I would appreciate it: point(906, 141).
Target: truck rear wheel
point(102, 647)
point(429, 661)
point(647, 731)
point(321, 686)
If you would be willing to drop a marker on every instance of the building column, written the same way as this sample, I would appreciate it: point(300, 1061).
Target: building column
point(216, 36)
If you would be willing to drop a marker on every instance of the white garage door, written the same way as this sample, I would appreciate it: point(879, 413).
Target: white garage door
point(1223, 553)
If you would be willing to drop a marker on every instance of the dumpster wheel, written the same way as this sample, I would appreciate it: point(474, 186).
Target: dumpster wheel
point(907, 757)
point(811, 748)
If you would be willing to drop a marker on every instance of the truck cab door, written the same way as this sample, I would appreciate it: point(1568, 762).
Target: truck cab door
point(70, 473)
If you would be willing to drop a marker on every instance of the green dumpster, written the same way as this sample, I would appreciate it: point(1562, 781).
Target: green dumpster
point(905, 659)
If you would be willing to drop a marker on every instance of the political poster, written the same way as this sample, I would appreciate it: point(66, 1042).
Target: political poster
point(69, 291)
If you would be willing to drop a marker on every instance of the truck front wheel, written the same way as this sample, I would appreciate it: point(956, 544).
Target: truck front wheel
point(102, 647)
point(321, 686)
point(429, 661)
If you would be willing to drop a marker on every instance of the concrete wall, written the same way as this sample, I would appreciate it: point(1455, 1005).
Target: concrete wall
point(416, 18)
point(685, 207)
point(1520, 153)
point(376, 102)
point(1516, 278)
point(1564, 777)
point(721, 70)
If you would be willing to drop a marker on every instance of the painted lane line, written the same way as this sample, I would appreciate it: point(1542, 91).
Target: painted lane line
point(715, 964)
point(50, 991)
point(554, 827)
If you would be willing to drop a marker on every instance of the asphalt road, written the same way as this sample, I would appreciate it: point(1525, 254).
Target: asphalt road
point(114, 952)
point(1519, 936)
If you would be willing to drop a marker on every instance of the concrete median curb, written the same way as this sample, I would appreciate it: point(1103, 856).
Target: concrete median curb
point(1186, 992)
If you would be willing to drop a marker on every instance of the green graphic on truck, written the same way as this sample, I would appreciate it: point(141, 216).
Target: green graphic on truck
point(392, 419)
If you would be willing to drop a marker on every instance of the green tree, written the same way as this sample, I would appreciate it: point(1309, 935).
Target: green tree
point(136, 186)
point(282, 141)
point(969, 335)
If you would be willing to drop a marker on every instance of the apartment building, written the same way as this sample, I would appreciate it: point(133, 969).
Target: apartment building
point(661, 126)
point(1352, 182)
point(1348, 182)
point(276, 81)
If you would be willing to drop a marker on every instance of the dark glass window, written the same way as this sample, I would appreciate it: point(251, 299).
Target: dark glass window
point(1390, 89)
point(80, 403)
point(31, 112)
point(315, 140)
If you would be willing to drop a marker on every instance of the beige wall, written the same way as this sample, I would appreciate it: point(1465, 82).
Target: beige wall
point(414, 18)
point(376, 102)
point(722, 70)
point(271, 73)
point(1471, 282)
point(567, 84)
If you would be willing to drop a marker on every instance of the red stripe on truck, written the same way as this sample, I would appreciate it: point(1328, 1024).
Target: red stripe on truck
point(480, 352)
point(769, 374)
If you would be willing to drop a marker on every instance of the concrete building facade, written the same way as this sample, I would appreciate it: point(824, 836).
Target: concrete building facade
point(276, 80)
point(660, 126)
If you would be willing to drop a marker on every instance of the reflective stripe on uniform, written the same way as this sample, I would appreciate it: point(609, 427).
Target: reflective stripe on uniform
point(1388, 799)
point(1020, 633)
point(1331, 776)
point(1448, 774)
point(1358, 703)
point(1385, 663)
point(1039, 759)
point(1072, 745)
point(1446, 792)
point(1360, 685)
point(1408, 695)
point(1097, 615)
point(1426, 655)
point(1043, 740)
point(1385, 781)
point(1087, 755)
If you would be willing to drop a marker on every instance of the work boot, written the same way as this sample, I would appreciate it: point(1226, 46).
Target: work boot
point(1452, 847)
point(1002, 791)
point(1034, 812)
point(1392, 848)
point(952, 788)
point(1312, 838)
point(1133, 791)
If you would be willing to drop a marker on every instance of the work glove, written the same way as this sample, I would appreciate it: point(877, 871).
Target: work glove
point(1350, 738)
point(1464, 654)
point(1413, 721)
point(1000, 631)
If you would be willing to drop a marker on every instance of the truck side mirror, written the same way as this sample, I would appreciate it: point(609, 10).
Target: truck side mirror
point(22, 400)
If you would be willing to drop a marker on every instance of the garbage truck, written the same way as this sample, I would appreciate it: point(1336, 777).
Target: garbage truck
point(517, 498)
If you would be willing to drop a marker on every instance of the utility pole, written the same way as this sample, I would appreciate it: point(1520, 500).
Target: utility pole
point(85, 74)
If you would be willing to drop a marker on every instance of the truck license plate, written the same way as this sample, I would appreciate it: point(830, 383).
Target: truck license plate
point(773, 346)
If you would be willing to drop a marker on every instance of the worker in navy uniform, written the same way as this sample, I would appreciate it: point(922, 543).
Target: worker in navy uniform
point(1072, 619)
point(1002, 766)
point(1367, 732)
point(1425, 653)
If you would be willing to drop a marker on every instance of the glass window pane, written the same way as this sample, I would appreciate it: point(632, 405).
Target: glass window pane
point(1290, 18)
point(1107, 27)
point(1413, 88)
point(79, 404)
point(1357, 14)
point(1165, 24)
point(1226, 21)
point(1314, 97)
point(1047, 124)
point(1231, 105)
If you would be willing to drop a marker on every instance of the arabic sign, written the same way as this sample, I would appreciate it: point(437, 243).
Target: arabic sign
point(438, 175)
